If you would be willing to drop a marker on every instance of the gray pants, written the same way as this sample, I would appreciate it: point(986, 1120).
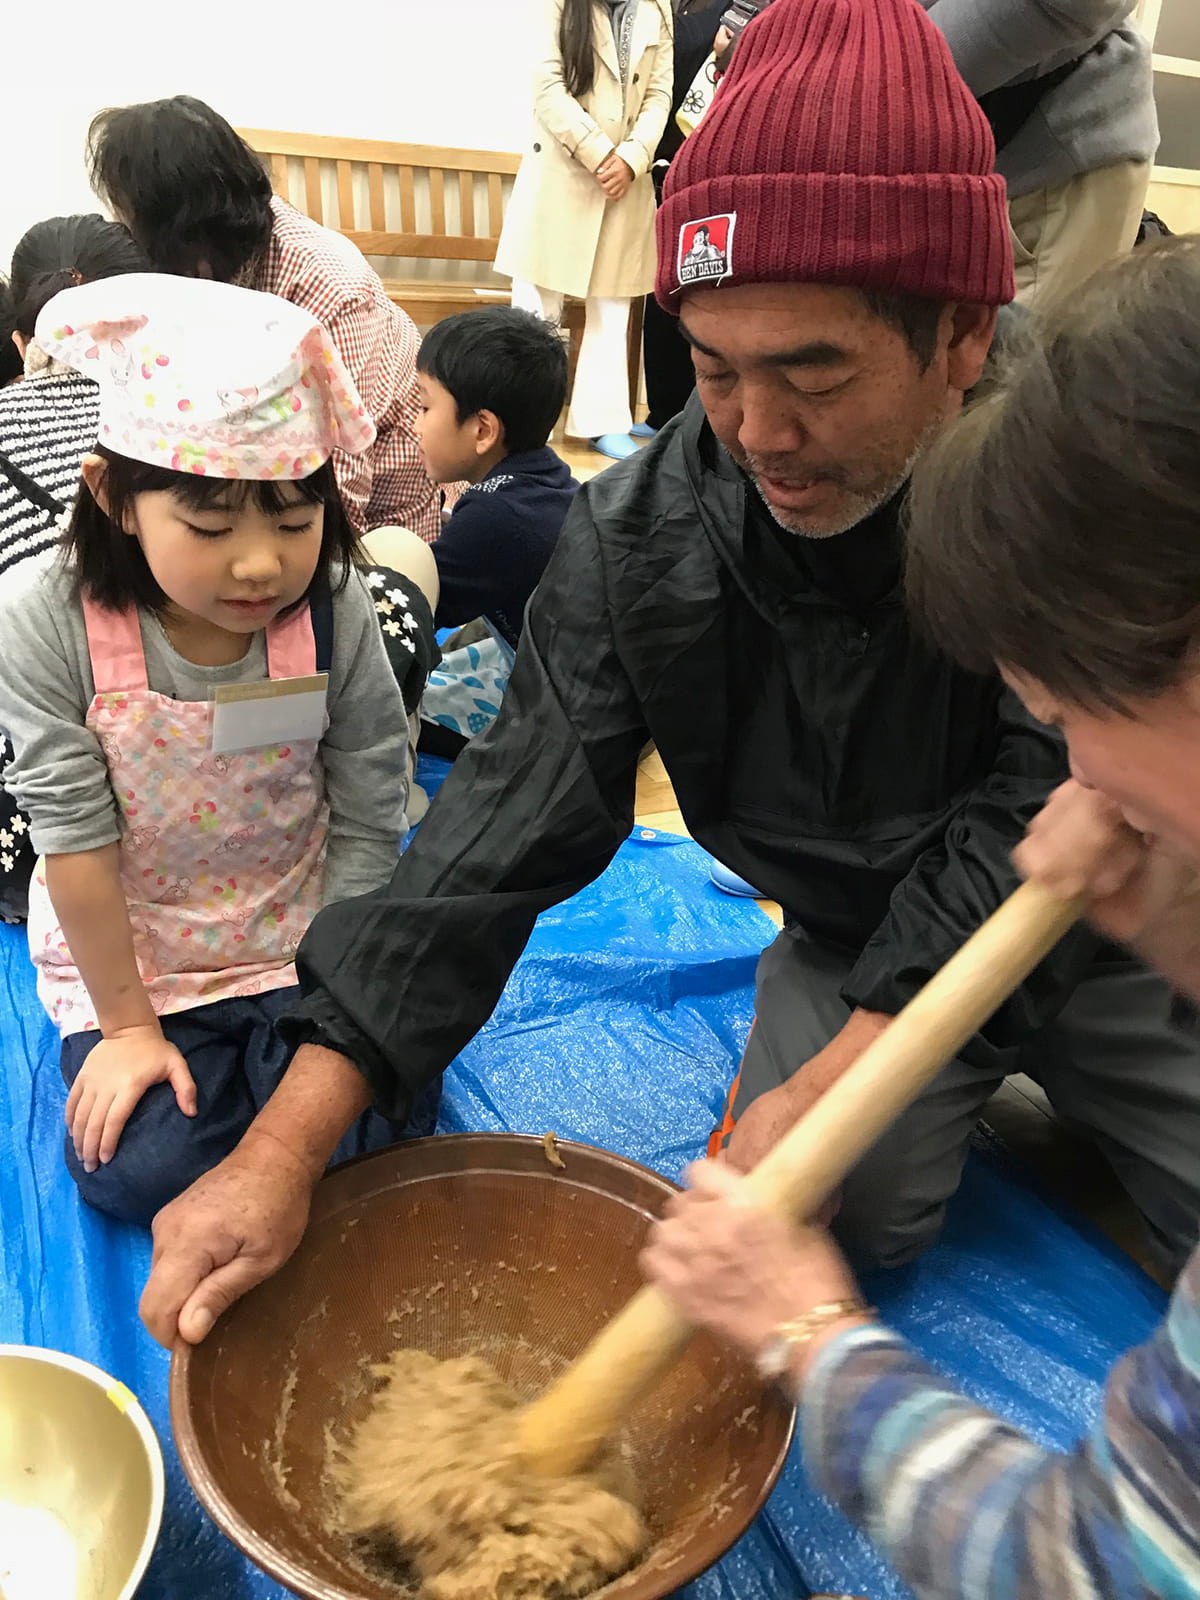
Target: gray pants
point(1114, 1064)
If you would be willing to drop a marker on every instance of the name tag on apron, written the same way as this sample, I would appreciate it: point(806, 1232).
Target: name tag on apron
point(248, 716)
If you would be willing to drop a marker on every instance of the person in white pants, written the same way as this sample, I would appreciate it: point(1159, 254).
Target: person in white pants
point(580, 220)
point(600, 394)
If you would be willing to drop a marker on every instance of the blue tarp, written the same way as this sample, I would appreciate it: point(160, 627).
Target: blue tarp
point(621, 1026)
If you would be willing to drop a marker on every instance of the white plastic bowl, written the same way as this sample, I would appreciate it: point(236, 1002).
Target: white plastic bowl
point(81, 1480)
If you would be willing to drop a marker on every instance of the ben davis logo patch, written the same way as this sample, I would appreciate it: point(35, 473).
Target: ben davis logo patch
point(706, 250)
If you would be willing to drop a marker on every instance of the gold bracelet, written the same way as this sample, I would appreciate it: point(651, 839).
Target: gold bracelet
point(776, 1355)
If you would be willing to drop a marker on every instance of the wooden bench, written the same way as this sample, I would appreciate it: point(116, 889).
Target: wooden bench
point(448, 206)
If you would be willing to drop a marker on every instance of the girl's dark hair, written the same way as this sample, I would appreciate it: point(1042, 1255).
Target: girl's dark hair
point(576, 47)
point(11, 365)
point(194, 194)
point(108, 562)
point(63, 251)
point(1053, 528)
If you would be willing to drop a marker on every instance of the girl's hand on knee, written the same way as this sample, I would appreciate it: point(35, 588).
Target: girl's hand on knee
point(115, 1076)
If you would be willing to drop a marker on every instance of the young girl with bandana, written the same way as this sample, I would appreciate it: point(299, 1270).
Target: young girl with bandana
point(210, 743)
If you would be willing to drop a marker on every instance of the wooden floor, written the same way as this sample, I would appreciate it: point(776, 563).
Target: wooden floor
point(654, 804)
point(583, 461)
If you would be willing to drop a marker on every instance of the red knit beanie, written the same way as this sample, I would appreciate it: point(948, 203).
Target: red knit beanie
point(842, 147)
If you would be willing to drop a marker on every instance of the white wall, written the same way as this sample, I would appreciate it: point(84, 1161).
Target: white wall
point(452, 72)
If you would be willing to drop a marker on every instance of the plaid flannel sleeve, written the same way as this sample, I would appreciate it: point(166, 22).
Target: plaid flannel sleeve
point(388, 484)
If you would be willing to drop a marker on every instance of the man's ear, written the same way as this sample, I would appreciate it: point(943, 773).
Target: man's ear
point(972, 329)
point(489, 432)
point(95, 476)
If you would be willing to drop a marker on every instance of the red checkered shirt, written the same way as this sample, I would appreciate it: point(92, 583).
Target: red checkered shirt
point(320, 270)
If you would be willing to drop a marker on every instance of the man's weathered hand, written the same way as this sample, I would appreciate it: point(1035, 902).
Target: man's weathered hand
point(765, 1121)
point(234, 1227)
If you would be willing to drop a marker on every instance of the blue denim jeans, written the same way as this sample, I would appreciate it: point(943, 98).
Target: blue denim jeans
point(237, 1060)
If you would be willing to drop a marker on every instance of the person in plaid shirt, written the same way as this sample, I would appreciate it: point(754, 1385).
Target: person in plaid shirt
point(199, 202)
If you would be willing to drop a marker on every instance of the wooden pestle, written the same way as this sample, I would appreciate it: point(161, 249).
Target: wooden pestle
point(561, 1431)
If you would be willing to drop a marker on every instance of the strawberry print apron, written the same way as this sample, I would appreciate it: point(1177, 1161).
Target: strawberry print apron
point(222, 856)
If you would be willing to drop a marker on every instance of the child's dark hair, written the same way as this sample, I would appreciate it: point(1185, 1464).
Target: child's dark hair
point(501, 360)
point(109, 565)
point(194, 194)
point(11, 365)
point(62, 251)
point(1053, 529)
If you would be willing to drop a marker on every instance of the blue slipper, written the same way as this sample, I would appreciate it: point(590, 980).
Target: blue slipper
point(642, 430)
point(616, 445)
point(729, 882)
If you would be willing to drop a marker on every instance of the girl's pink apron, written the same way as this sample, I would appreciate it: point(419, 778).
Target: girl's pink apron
point(222, 856)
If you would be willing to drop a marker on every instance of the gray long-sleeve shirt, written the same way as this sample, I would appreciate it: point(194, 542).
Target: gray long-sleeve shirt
point(1103, 113)
point(59, 775)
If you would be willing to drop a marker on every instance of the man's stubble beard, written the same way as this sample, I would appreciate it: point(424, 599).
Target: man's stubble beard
point(858, 506)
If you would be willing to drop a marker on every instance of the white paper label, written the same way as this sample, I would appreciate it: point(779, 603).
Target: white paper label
point(249, 716)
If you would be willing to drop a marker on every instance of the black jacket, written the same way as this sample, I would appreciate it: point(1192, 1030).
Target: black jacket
point(493, 550)
point(815, 744)
point(693, 42)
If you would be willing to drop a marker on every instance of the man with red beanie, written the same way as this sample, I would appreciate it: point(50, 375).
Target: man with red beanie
point(835, 243)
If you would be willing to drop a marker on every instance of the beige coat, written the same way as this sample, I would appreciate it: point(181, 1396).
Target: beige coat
point(560, 232)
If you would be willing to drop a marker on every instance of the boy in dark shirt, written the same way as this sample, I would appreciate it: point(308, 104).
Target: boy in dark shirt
point(492, 385)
